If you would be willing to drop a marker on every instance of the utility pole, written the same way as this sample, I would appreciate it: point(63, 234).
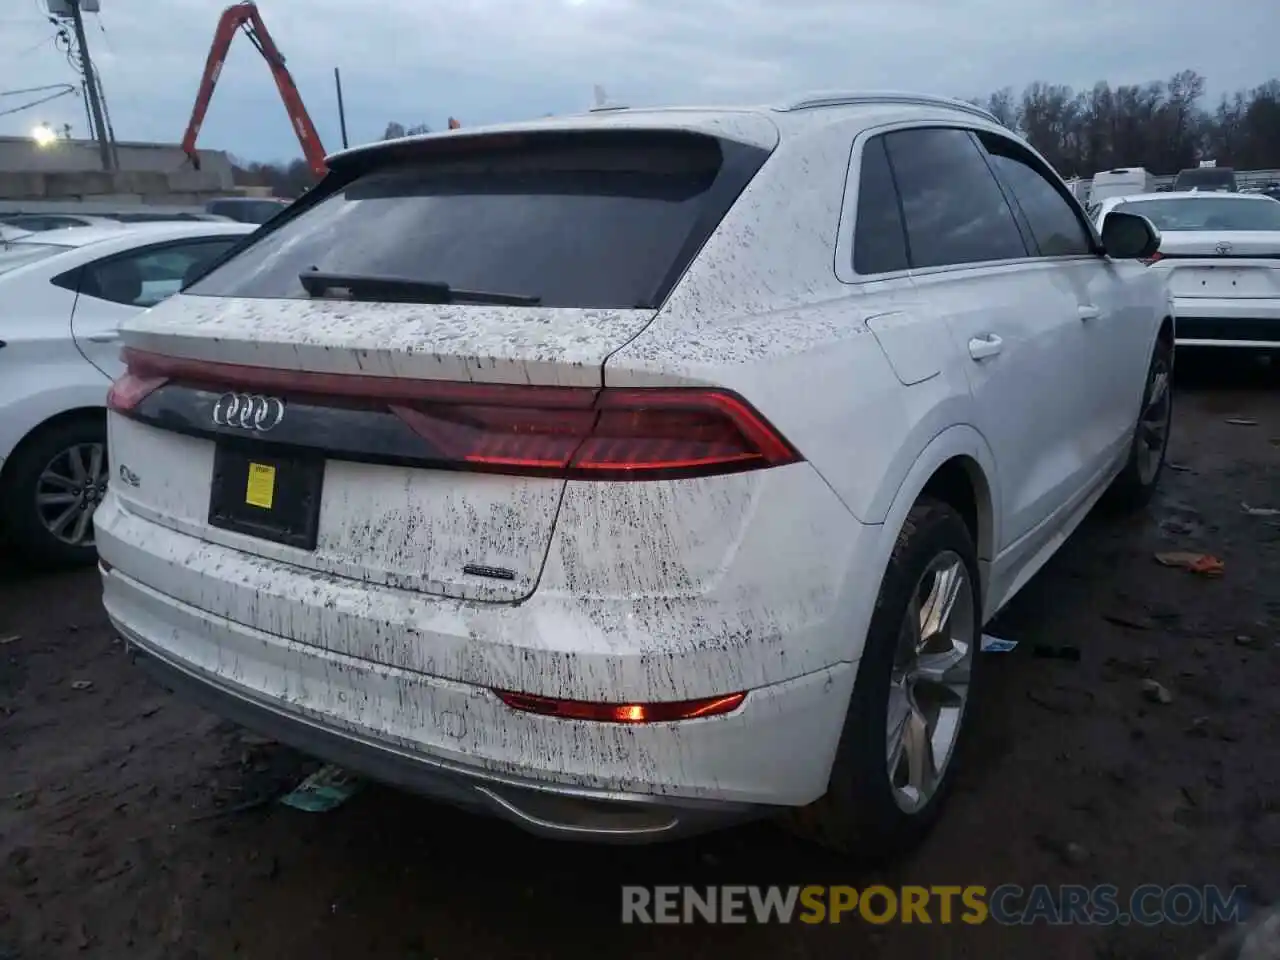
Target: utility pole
point(342, 110)
point(91, 85)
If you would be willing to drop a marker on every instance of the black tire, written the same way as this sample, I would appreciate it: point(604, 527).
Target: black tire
point(23, 527)
point(1134, 487)
point(859, 814)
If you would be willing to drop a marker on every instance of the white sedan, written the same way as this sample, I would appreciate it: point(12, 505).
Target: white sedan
point(39, 222)
point(1220, 254)
point(62, 295)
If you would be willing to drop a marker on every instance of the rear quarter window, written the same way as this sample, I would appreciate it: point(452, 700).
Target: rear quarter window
point(584, 221)
point(879, 238)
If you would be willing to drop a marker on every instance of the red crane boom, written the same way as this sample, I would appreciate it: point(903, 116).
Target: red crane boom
point(245, 16)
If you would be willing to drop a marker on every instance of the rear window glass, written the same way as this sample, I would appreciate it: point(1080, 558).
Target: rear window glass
point(1206, 178)
point(1208, 213)
point(246, 211)
point(589, 223)
point(20, 254)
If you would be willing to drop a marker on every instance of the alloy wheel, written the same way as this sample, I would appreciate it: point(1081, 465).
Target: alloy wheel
point(69, 489)
point(929, 686)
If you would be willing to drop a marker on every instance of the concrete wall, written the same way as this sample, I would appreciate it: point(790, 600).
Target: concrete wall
point(72, 170)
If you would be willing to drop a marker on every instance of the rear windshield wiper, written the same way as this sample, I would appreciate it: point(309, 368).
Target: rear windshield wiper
point(346, 286)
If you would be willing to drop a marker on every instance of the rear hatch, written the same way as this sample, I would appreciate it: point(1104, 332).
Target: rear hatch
point(1223, 264)
point(391, 382)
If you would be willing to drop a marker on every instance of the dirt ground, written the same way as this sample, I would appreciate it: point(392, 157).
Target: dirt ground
point(134, 826)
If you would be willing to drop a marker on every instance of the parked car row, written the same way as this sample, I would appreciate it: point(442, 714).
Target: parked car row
point(256, 210)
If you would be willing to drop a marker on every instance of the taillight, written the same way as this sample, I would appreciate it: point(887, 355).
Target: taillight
point(131, 389)
point(649, 433)
point(622, 712)
point(1153, 258)
point(643, 434)
point(659, 430)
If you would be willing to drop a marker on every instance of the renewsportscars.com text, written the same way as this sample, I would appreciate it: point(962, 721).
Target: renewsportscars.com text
point(1008, 904)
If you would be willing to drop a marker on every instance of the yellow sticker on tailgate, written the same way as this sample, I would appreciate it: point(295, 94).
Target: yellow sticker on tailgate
point(262, 486)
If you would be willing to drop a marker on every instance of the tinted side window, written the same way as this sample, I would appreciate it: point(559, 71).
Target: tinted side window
point(144, 278)
point(1054, 224)
point(229, 210)
point(955, 211)
point(261, 211)
point(35, 224)
point(879, 240)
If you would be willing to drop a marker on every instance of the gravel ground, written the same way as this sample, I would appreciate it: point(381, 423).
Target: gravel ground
point(134, 826)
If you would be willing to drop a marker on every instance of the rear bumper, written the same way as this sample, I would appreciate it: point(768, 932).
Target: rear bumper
point(561, 813)
point(1244, 324)
point(447, 738)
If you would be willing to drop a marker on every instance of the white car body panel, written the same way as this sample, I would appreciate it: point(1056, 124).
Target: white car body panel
point(650, 591)
point(510, 345)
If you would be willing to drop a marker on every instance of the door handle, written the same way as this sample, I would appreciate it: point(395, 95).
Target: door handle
point(103, 337)
point(985, 346)
point(1088, 311)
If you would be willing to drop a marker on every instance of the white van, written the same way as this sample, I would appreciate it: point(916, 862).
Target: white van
point(1121, 182)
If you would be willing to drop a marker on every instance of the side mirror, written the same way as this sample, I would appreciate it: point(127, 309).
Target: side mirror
point(1129, 236)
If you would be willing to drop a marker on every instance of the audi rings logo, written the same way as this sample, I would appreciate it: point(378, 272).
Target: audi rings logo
point(248, 411)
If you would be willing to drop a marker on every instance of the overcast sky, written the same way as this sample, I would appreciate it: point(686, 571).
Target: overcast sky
point(421, 61)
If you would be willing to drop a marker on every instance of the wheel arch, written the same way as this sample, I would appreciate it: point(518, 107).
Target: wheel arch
point(64, 416)
point(962, 483)
point(958, 468)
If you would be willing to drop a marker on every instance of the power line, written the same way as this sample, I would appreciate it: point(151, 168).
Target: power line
point(102, 26)
point(65, 90)
point(47, 86)
point(27, 51)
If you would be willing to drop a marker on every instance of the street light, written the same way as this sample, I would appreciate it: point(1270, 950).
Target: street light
point(43, 135)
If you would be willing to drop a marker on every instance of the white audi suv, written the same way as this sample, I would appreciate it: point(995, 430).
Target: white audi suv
point(629, 474)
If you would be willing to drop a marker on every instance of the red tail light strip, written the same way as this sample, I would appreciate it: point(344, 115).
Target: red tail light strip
point(235, 376)
point(622, 712)
point(573, 432)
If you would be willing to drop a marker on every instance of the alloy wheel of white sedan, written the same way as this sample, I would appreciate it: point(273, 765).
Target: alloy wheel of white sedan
point(68, 491)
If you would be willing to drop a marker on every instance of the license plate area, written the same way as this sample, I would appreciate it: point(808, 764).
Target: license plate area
point(266, 493)
point(1222, 282)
